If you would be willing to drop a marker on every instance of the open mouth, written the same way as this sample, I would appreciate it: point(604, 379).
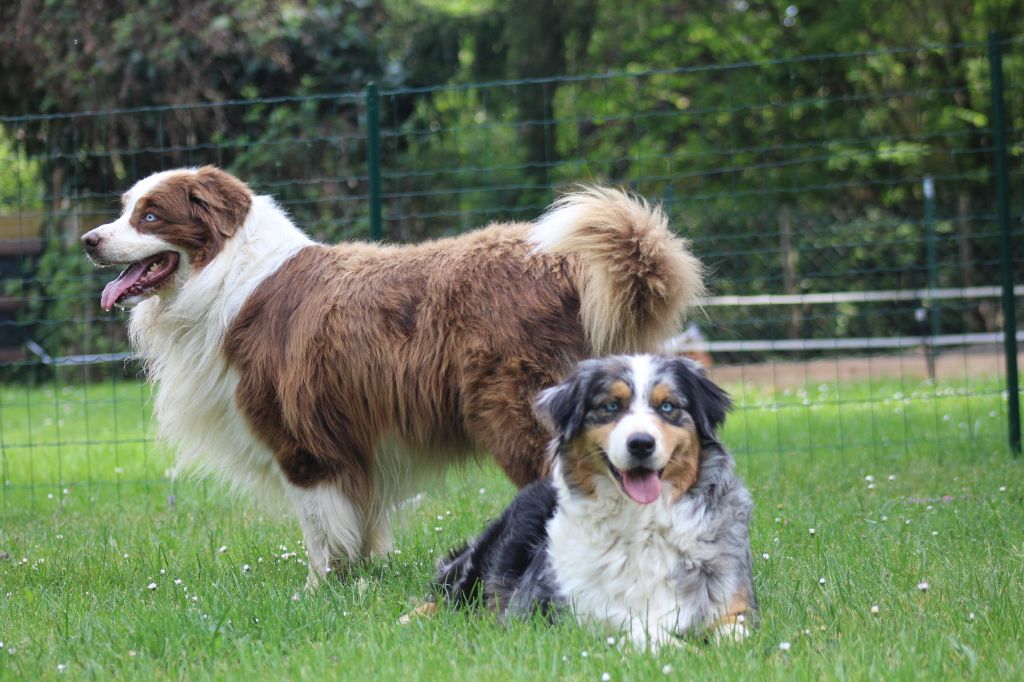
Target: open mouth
point(642, 485)
point(140, 278)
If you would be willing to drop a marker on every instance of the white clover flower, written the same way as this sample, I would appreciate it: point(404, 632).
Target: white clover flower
point(811, 531)
point(666, 669)
point(605, 677)
point(821, 581)
point(223, 548)
point(246, 568)
point(874, 609)
point(923, 586)
point(783, 646)
point(151, 586)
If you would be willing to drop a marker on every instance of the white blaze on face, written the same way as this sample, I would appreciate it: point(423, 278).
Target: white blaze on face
point(640, 480)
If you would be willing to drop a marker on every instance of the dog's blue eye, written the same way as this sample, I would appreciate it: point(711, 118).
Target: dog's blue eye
point(667, 407)
point(612, 406)
point(149, 217)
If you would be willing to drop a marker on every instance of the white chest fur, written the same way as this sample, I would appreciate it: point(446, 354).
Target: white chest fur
point(618, 563)
point(181, 341)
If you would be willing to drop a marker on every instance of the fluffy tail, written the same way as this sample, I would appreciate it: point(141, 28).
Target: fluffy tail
point(636, 279)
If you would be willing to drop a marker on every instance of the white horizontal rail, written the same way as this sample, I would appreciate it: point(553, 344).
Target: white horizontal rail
point(682, 344)
point(71, 360)
point(860, 296)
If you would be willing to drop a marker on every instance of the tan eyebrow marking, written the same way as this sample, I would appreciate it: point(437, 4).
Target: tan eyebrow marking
point(621, 391)
point(661, 393)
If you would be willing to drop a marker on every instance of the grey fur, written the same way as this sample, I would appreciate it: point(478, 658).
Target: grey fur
point(721, 559)
point(509, 564)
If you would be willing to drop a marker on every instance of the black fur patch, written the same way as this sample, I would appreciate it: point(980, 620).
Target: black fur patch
point(708, 402)
point(505, 566)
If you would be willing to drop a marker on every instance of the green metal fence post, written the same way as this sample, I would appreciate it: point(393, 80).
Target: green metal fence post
point(995, 59)
point(928, 186)
point(373, 159)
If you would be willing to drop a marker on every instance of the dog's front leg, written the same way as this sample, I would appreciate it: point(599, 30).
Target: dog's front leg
point(651, 636)
point(331, 527)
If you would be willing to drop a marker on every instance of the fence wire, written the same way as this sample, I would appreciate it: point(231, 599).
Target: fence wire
point(844, 203)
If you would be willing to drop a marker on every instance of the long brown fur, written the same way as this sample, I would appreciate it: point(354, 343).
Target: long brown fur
point(440, 346)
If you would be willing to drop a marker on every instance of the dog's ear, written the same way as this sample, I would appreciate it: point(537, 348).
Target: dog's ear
point(218, 200)
point(709, 402)
point(563, 407)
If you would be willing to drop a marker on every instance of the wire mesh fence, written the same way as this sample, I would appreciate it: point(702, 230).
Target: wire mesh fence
point(845, 204)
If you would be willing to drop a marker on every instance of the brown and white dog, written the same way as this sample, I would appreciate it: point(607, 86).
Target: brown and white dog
point(337, 374)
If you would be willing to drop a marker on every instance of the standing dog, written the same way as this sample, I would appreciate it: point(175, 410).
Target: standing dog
point(644, 525)
point(336, 374)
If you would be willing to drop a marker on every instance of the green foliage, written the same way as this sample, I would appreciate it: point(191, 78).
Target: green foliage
point(21, 188)
point(746, 118)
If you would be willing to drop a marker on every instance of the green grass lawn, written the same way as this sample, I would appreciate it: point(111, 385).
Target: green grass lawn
point(103, 574)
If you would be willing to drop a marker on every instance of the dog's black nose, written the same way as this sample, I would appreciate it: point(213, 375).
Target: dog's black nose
point(640, 445)
point(91, 240)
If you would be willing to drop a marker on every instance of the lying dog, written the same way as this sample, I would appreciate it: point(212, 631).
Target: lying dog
point(334, 375)
point(644, 525)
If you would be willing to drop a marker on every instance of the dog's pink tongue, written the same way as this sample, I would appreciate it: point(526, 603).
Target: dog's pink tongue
point(643, 485)
point(123, 283)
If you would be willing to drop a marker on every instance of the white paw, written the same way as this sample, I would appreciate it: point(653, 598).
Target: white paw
point(731, 632)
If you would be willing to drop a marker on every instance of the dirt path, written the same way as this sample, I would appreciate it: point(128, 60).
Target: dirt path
point(953, 364)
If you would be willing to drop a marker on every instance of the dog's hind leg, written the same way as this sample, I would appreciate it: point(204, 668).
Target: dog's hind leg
point(332, 527)
point(379, 540)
